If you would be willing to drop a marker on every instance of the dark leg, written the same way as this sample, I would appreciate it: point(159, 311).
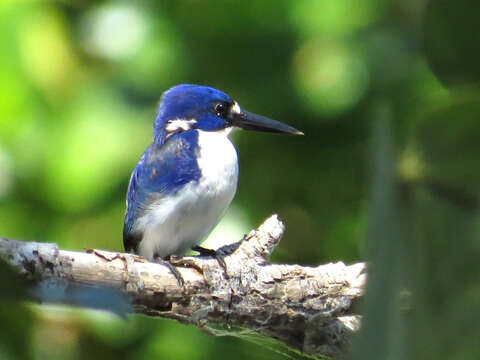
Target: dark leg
point(214, 254)
point(166, 262)
point(184, 263)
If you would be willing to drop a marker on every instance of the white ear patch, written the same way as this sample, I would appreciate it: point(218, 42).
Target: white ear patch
point(177, 125)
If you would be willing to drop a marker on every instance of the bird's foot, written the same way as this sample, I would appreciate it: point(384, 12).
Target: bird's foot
point(170, 264)
point(216, 255)
point(177, 261)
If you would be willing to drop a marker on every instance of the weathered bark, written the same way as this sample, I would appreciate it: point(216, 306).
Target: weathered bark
point(308, 308)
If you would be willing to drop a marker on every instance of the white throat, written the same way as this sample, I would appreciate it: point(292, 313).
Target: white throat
point(218, 157)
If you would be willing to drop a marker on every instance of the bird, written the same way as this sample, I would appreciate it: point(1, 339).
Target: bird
point(187, 177)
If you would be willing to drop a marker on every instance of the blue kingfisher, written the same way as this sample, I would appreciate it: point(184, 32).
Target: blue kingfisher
point(187, 177)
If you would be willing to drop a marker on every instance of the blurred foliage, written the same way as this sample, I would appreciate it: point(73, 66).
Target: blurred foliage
point(79, 82)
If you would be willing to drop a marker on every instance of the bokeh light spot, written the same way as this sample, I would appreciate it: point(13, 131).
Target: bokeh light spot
point(91, 152)
point(113, 31)
point(331, 77)
point(335, 17)
point(47, 54)
point(410, 164)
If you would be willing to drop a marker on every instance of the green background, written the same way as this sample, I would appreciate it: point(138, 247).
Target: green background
point(79, 86)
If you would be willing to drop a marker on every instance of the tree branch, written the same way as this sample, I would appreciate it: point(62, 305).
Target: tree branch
point(308, 308)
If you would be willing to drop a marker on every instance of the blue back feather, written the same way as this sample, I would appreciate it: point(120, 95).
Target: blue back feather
point(162, 170)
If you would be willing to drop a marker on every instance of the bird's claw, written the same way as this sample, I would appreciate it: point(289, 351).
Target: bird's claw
point(174, 260)
point(173, 270)
point(216, 255)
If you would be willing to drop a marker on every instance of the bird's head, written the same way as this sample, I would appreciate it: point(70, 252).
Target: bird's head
point(185, 107)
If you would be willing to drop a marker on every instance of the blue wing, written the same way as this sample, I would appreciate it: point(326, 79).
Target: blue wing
point(162, 171)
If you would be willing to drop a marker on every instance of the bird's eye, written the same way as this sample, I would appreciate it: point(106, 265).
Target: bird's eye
point(220, 109)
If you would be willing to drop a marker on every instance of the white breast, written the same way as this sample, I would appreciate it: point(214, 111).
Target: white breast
point(175, 224)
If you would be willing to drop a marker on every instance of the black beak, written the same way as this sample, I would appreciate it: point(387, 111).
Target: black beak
point(250, 121)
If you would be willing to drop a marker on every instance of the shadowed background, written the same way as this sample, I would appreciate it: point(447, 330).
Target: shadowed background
point(79, 86)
